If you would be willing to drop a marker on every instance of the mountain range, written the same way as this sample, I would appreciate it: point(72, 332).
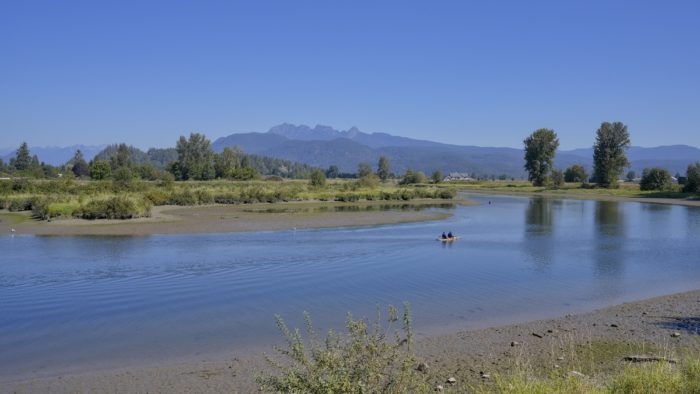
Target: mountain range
point(323, 146)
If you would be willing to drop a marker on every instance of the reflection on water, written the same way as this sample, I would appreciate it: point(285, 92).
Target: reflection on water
point(539, 219)
point(609, 251)
point(107, 301)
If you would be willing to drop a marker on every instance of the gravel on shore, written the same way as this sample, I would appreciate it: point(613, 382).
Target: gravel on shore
point(589, 343)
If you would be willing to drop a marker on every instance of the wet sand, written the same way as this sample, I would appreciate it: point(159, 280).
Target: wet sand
point(235, 218)
point(590, 343)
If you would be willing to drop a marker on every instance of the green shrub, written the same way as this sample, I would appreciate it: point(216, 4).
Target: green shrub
point(227, 198)
point(446, 194)
point(40, 207)
point(368, 181)
point(5, 187)
point(21, 185)
point(62, 209)
point(318, 178)
point(157, 197)
point(204, 197)
point(347, 197)
point(362, 361)
point(17, 204)
point(184, 197)
point(118, 207)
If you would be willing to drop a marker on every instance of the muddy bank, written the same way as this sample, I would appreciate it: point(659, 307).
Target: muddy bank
point(238, 218)
point(591, 343)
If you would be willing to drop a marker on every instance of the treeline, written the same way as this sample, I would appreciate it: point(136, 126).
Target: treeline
point(369, 178)
point(193, 159)
point(609, 163)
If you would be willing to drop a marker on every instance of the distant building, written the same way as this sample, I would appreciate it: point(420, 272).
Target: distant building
point(458, 176)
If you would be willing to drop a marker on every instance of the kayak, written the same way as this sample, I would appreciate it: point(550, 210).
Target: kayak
point(448, 239)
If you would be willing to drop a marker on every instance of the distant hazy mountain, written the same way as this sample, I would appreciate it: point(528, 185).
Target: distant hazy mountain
point(323, 146)
point(327, 133)
point(55, 155)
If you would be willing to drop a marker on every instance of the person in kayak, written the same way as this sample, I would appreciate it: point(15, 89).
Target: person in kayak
point(443, 235)
point(449, 235)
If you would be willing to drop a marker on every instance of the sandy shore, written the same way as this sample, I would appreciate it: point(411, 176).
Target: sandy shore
point(236, 218)
point(591, 343)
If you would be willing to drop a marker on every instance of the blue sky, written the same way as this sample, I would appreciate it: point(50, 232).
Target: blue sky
point(465, 72)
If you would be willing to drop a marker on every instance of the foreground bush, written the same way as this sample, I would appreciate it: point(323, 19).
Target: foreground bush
point(362, 361)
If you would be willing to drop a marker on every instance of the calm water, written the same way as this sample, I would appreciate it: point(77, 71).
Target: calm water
point(76, 303)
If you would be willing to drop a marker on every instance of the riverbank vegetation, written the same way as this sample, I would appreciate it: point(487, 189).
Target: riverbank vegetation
point(130, 198)
point(372, 358)
point(626, 189)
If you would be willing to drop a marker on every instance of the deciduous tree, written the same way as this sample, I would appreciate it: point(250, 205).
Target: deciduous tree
point(99, 169)
point(437, 176)
point(692, 182)
point(575, 173)
point(655, 179)
point(383, 168)
point(540, 148)
point(318, 178)
point(363, 169)
point(609, 158)
point(194, 157)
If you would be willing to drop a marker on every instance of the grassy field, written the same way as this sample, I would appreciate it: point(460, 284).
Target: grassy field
point(50, 199)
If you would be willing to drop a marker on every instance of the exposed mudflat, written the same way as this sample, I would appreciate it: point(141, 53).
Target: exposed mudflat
point(235, 218)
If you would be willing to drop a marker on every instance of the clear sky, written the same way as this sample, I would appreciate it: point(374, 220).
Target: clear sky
point(465, 72)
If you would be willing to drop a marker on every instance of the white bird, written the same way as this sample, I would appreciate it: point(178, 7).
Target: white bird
point(12, 230)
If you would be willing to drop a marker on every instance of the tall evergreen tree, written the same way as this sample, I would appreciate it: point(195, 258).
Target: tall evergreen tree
point(23, 160)
point(120, 159)
point(80, 166)
point(540, 148)
point(609, 158)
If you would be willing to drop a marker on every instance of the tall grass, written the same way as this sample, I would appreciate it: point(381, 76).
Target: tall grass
point(655, 378)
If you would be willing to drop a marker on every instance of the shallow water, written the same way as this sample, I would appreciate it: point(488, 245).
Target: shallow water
point(81, 303)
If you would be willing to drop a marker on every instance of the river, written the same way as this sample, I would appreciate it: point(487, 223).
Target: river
point(81, 303)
